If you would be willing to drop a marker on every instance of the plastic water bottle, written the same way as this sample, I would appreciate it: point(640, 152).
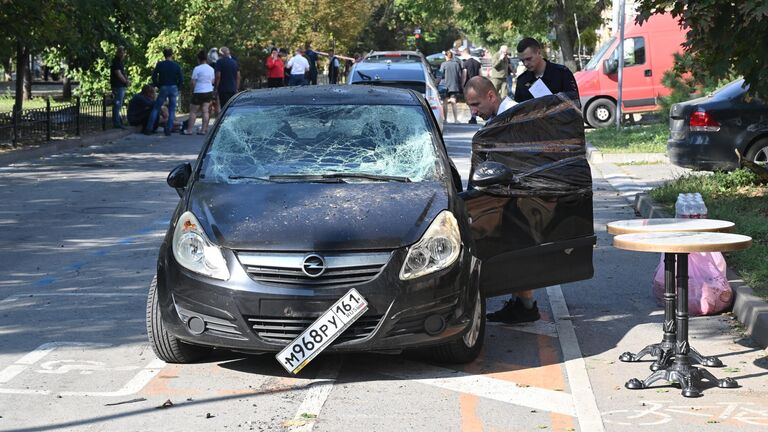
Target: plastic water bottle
point(679, 205)
point(702, 208)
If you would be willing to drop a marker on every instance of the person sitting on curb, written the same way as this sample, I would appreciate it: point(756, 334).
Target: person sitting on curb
point(141, 105)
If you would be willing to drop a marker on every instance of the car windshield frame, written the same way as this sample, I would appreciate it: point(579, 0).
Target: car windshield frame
point(594, 62)
point(354, 143)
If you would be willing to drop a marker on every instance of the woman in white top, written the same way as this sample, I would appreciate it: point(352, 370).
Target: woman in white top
point(202, 93)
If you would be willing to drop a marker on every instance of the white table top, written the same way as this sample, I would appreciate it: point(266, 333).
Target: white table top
point(669, 224)
point(682, 242)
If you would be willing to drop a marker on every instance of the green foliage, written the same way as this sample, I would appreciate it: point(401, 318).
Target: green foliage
point(723, 36)
point(633, 139)
point(687, 81)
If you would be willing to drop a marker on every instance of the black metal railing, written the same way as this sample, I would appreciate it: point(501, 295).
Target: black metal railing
point(62, 120)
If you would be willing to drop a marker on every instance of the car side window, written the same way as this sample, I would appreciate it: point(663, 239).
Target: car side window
point(634, 51)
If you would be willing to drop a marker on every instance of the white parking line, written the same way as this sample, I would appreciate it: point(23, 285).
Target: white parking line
point(316, 397)
point(583, 397)
point(484, 387)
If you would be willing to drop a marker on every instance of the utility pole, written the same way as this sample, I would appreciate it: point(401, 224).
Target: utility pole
point(619, 115)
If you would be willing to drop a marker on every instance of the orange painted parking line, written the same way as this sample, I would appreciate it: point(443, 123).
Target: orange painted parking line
point(470, 422)
point(159, 385)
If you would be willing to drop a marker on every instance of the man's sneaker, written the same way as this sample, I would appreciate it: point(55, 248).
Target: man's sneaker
point(515, 312)
point(472, 121)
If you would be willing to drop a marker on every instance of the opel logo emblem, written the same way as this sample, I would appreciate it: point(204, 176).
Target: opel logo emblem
point(313, 265)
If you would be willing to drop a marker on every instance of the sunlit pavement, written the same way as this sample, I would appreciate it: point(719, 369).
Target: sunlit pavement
point(80, 234)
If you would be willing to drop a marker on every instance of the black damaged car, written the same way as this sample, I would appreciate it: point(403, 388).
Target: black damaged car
point(300, 194)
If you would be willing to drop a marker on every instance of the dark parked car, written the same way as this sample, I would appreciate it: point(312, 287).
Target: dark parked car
point(301, 193)
point(410, 75)
point(705, 132)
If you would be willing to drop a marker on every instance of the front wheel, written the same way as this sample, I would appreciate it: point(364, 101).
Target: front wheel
point(601, 113)
point(466, 348)
point(166, 346)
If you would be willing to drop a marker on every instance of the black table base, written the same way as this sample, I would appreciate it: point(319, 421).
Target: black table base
point(663, 353)
point(681, 372)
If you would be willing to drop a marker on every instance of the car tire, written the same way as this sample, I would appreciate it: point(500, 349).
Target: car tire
point(758, 153)
point(466, 348)
point(166, 346)
point(601, 113)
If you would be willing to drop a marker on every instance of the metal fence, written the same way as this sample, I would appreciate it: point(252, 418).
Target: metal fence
point(43, 124)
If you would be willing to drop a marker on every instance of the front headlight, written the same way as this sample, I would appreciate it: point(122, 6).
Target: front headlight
point(438, 248)
point(194, 251)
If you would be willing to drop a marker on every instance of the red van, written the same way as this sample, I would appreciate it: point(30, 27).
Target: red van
point(648, 53)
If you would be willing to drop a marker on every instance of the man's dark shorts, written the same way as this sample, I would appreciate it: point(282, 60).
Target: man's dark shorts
point(202, 98)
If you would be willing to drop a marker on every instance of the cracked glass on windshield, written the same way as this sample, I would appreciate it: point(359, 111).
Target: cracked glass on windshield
point(255, 143)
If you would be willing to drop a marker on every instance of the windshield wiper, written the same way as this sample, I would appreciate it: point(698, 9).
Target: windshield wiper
point(241, 177)
point(364, 76)
point(312, 178)
point(368, 176)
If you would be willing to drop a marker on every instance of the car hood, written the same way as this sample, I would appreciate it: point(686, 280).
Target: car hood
point(317, 216)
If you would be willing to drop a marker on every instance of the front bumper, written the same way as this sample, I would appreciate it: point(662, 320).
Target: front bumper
point(243, 314)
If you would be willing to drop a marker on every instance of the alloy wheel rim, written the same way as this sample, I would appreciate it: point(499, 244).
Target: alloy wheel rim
point(470, 339)
point(761, 158)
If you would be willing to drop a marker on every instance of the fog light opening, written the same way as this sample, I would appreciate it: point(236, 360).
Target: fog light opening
point(434, 325)
point(196, 325)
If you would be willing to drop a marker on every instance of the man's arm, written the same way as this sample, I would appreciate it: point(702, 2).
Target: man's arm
point(216, 81)
point(154, 76)
point(237, 81)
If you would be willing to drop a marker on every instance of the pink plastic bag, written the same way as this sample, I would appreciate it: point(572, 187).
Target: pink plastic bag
point(708, 289)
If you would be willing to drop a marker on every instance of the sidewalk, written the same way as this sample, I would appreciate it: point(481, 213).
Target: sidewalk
point(632, 184)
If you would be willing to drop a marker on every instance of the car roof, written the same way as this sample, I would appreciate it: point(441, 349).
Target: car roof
point(326, 95)
point(390, 72)
point(394, 54)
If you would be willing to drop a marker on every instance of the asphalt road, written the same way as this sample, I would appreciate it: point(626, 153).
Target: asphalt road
point(79, 234)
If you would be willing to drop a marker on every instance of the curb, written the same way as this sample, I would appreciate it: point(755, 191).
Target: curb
point(748, 308)
point(58, 146)
point(596, 156)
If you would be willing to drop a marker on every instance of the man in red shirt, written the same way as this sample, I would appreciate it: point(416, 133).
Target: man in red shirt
point(275, 69)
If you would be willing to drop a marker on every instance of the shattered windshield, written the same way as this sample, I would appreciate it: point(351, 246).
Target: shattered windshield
point(276, 143)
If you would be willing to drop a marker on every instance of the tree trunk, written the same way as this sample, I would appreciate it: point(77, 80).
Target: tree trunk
point(22, 57)
point(28, 76)
point(66, 82)
point(563, 38)
point(67, 91)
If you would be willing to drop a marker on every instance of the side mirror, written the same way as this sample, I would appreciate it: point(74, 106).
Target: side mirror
point(179, 177)
point(610, 66)
point(491, 173)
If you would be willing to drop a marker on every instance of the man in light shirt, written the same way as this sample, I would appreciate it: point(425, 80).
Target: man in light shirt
point(483, 99)
point(298, 66)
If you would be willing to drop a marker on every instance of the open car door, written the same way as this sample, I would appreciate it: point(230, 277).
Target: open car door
point(529, 197)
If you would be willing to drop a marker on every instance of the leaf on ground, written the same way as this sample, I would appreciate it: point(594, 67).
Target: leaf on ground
point(731, 369)
point(662, 391)
point(308, 415)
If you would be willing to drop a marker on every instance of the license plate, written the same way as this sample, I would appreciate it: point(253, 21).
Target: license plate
point(322, 332)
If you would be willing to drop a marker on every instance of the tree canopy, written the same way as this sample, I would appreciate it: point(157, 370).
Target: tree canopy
point(722, 37)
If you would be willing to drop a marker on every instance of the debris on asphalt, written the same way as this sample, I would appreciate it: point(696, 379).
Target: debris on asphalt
point(126, 402)
point(209, 415)
point(166, 404)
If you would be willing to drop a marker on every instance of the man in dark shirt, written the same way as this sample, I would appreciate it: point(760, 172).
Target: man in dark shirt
point(556, 77)
point(141, 106)
point(312, 59)
point(168, 77)
point(227, 76)
point(471, 70)
point(119, 81)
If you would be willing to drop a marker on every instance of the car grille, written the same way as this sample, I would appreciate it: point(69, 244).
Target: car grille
point(284, 330)
point(286, 268)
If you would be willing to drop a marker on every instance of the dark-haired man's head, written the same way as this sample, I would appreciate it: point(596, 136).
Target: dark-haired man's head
point(148, 91)
point(202, 56)
point(529, 52)
point(167, 52)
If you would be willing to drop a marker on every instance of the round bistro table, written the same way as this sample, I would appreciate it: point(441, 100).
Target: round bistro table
point(680, 244)
point(663, 352)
